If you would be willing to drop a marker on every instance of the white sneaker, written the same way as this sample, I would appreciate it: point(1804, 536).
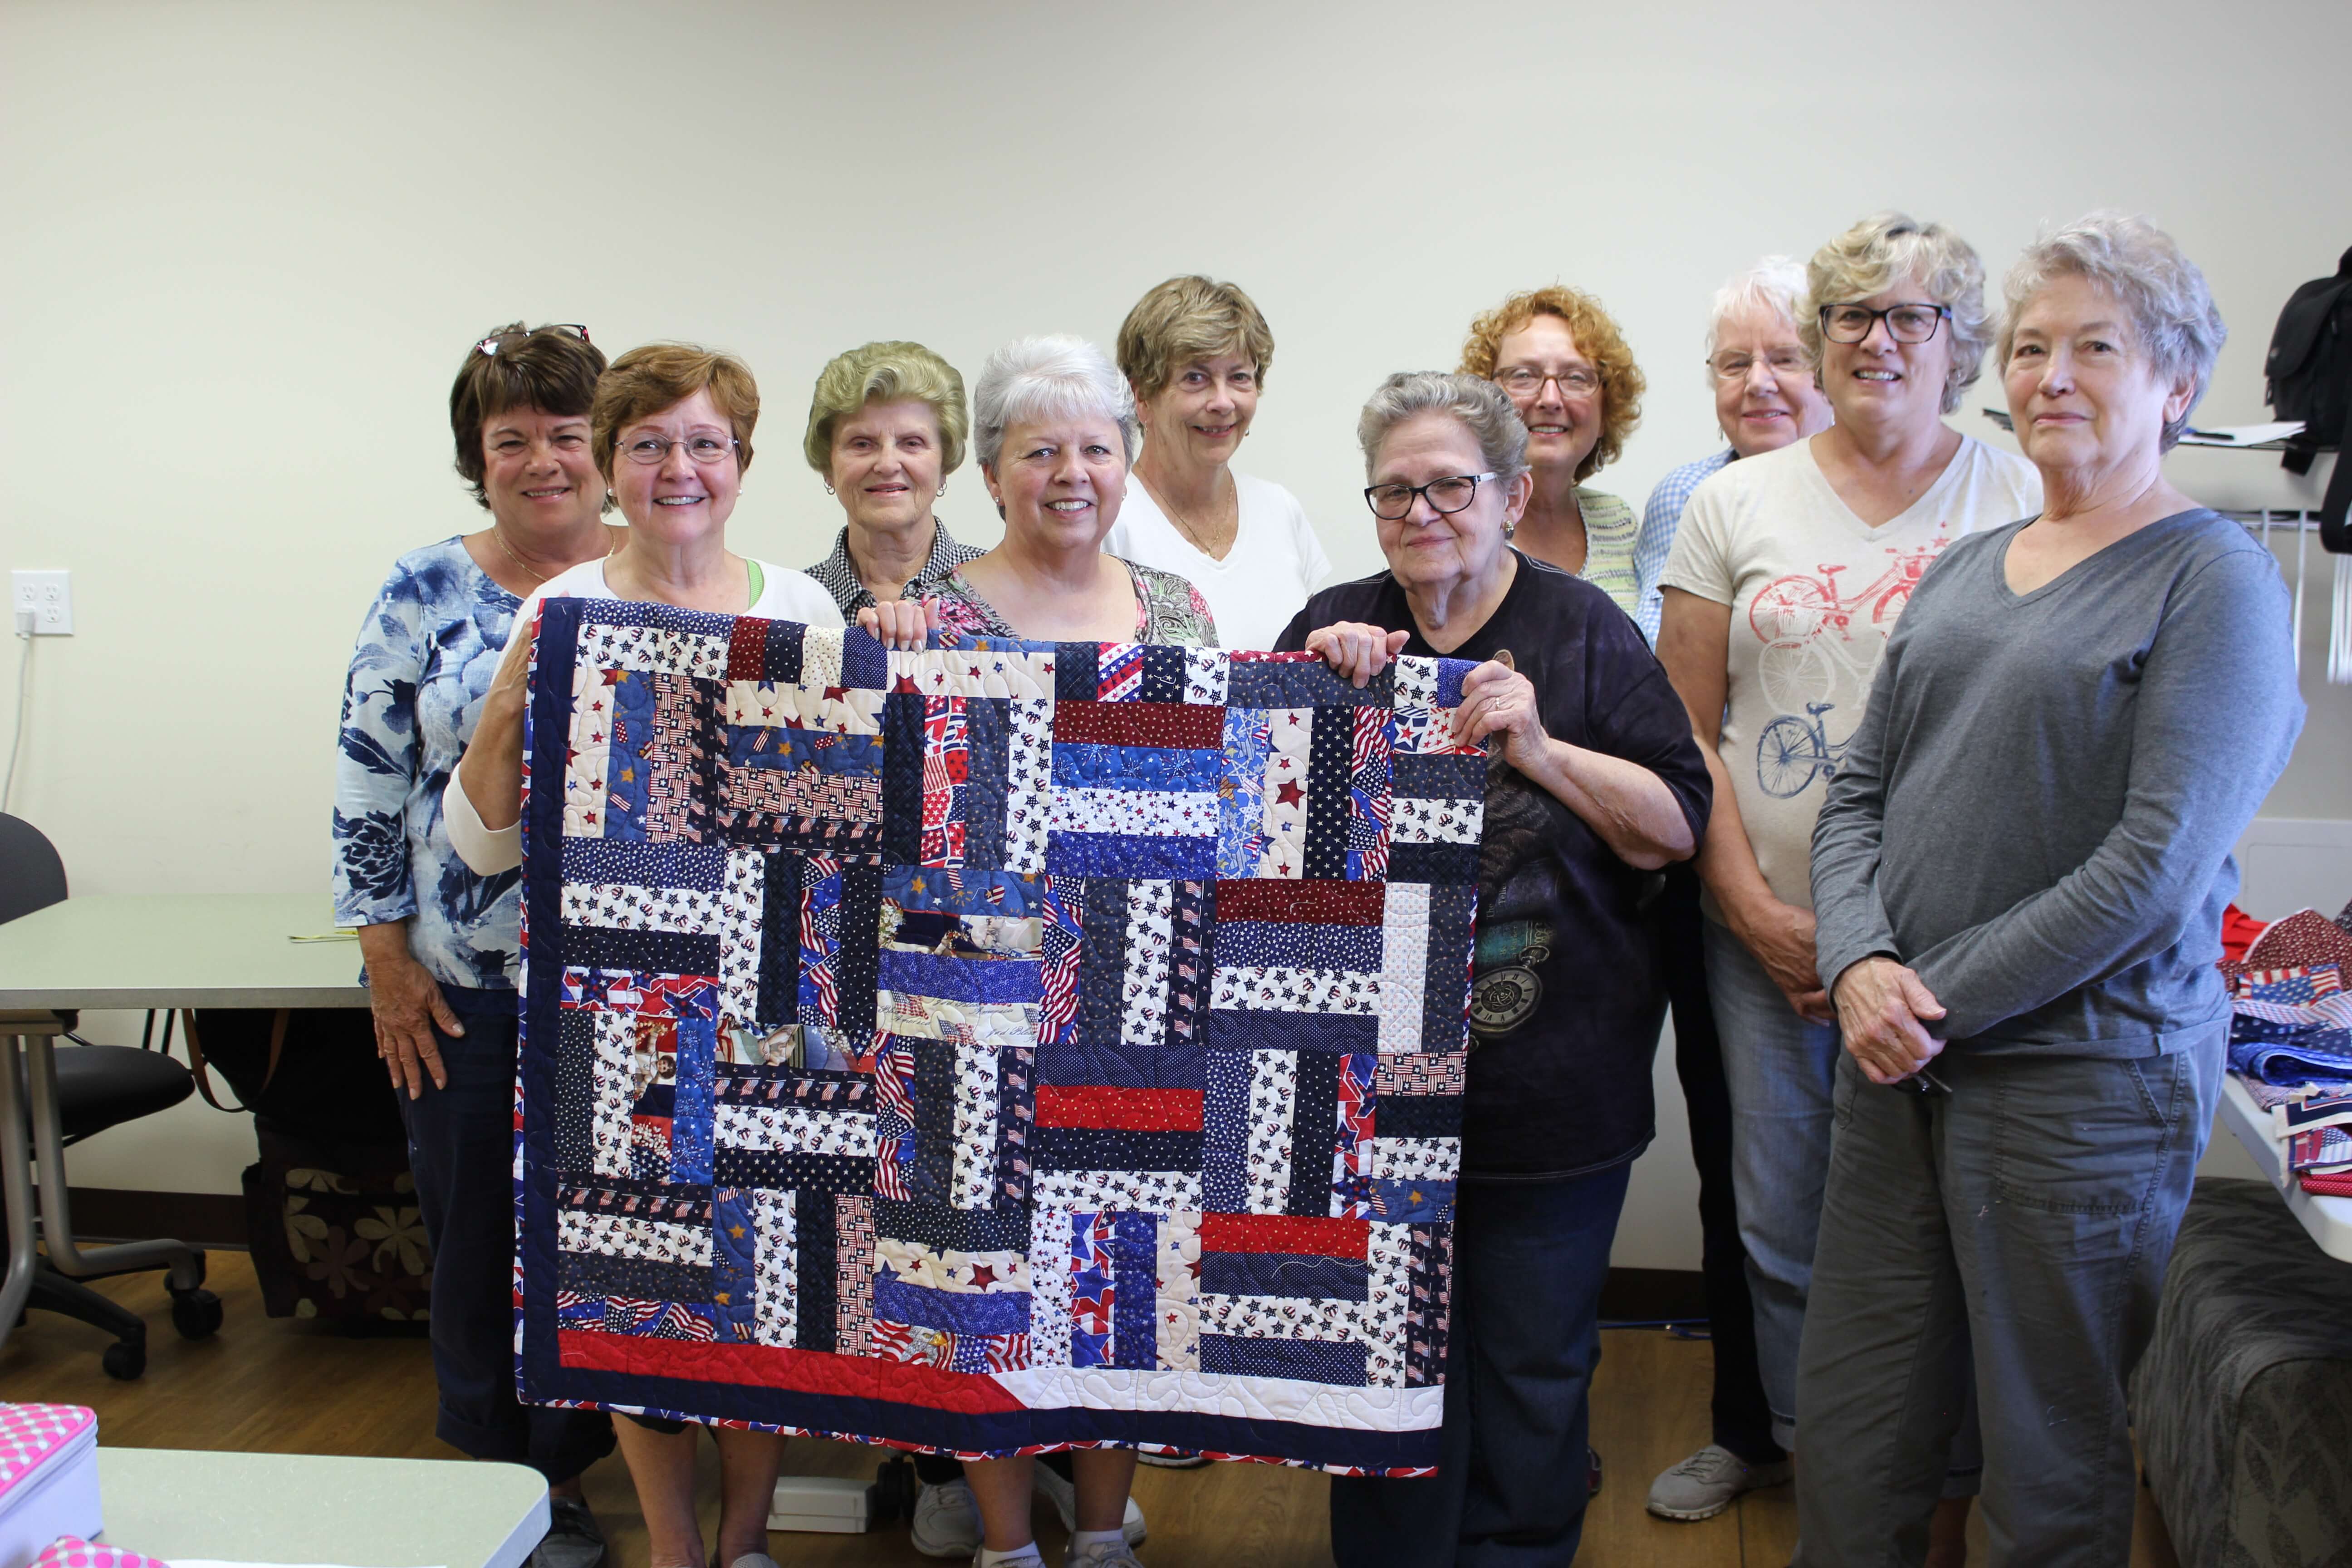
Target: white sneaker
point(1708, 1482)
point(1103, 1555)
point(1173, 1461)
point(946, 1519)
point(1050, 1485)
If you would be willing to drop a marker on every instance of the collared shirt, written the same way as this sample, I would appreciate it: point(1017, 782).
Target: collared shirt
point(1656, 540)
point(837, 577)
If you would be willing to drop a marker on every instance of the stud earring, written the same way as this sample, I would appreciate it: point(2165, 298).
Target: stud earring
point(828, 489)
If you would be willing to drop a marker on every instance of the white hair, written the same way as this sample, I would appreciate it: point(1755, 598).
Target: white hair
point(2171, 309)
point(1773, 286)
point(1891, 248)
point(1053, 377)
point(1484, 409)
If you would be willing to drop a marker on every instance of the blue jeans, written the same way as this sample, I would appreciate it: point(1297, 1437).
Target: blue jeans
point(461, 1152)
point(1782, 1070)
point(1529, 1258)
point(2007, 1240)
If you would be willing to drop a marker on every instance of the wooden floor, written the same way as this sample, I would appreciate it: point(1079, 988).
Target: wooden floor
point(286, 1386)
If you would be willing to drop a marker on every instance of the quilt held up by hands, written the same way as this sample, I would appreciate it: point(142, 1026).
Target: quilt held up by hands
point(992, 1049)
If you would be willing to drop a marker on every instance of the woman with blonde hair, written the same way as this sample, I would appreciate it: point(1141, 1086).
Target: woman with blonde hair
point(887, 426)
point(1568, 374)
point(1196, 353)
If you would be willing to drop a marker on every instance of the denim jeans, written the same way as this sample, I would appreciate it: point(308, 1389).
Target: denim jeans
point(461, 1152)
point(1529, 1258)
point(1742, 1421)
point(2028, 1214)
point(1782, 1070)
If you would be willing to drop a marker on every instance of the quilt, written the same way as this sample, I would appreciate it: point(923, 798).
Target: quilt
point(990, 1049)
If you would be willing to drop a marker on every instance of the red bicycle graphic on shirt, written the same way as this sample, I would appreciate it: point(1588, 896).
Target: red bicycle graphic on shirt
point(1794, 616)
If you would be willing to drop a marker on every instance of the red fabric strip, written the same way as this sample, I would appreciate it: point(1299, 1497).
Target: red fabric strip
point(747, 650)
point(1301, 902)
point(1130, 1109)
point(1303, 1234)
point(1190, 726)
point(774, 1366)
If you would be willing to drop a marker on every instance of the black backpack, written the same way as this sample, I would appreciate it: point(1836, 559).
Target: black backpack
point(2310, 371)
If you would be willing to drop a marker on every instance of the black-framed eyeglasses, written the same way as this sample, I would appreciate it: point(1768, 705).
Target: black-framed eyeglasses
point(1904, 323)
point(1391, 503)
point(701, 448)
point(489, 345)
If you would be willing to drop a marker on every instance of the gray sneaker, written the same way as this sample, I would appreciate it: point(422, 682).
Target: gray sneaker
point(1706, 1483)
point(1050, 1485)
point(946, 1519)
point(573, 1540)
point(1103, 1555)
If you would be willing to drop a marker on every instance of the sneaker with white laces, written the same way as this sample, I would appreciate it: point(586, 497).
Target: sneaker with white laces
point(1173, 1461)
point(1102, 1554)
point(1708, 1481)
point(946, 1519)
point(1051, 1486)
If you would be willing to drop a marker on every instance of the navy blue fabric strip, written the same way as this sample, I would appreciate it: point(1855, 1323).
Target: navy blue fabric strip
point(1004, 1229)
point(1309, 1361)
point(988, 733)
point(1142, 855)
point(1135, 1314)
point(780, 941)
point(815, 1297)
point(641, 1279)
point(1006, 980)
point(781, 658)
point(699, 867)
point(1230, 1030)
point(1284, 1274)
point(793, 1173)
point(1445, 985)
point(1314, 1133)
point(1328, 775)
point(1089, 764)
point(655, 951)
point(1448, 776)
point(902, 778)
point(1440, 864)
point(863, 662)
point(1418, 1116)
point(1076, 665)
point(1115, 1149)
point(1103, 966)
point(857, 964)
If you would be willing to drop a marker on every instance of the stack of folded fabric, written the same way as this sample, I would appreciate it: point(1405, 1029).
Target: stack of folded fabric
point(2291, 1039)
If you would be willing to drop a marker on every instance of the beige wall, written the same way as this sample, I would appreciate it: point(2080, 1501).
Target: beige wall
point(245, 245)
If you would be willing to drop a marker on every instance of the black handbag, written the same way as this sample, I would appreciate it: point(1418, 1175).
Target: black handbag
point(2310, 372)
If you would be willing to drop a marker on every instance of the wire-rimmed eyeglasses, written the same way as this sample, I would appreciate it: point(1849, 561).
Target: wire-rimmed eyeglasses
point(1393, 503)
point(1904, 323)
point(1526, 380)
point(1733, 364)
point(701, 448)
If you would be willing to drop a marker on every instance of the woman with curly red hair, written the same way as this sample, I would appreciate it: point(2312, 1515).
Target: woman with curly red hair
point(1566, 367)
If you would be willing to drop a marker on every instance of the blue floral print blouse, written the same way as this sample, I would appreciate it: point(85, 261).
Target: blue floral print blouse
point(426, 655)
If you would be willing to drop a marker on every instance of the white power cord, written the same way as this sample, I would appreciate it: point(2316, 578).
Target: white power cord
point(2339, 640)
point(24, 693)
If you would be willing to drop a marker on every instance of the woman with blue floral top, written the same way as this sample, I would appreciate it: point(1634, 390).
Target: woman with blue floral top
point(440, 941)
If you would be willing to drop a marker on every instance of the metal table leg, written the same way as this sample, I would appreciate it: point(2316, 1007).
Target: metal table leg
point(16, 1179)
point(57, 1218)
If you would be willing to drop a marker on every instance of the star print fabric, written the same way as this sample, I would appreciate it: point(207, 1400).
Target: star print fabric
point(993, 1048)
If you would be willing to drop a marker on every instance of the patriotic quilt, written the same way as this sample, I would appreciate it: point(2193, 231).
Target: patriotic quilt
point(991, 1049)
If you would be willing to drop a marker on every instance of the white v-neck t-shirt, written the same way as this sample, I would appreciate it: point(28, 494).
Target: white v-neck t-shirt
point(1814, 592)
point(1264, 580)
point(784, 596)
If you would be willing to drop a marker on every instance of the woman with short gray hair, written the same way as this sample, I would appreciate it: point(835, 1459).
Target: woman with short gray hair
point(1788, 572)
point(2019, 878)
point(1053, 427)
point(1594, 783)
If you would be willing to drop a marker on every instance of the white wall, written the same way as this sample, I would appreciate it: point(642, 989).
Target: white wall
point(247, 244)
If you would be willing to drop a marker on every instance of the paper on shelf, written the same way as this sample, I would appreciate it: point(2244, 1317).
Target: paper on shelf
point(2242, 435)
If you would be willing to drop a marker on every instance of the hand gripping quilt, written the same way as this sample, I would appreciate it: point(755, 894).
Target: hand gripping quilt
point(993, 1048)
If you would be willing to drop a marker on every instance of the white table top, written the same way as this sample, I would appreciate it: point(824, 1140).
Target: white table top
point(193, 950)
point(175, 1503)
point(2330, 1220)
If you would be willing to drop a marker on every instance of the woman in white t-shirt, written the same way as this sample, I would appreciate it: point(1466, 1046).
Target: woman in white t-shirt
point(1196, 353)
point(1787, 574)
point(671, 430)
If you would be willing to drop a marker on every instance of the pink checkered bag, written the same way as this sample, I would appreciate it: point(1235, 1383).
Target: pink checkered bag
point(48, 1478)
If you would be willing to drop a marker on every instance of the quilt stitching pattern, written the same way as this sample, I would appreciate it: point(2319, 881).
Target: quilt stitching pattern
point(991, 1050)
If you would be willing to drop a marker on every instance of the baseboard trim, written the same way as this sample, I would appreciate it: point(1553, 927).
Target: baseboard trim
point(118, 1213)
point(1651, 1295)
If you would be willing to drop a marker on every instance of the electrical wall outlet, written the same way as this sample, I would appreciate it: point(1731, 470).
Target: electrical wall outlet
point(48, 595)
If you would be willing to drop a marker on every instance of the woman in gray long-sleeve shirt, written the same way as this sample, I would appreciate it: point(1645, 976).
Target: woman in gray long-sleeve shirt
point(2019, 878)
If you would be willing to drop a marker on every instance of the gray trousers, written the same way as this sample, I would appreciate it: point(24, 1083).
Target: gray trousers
point(2030, 1213)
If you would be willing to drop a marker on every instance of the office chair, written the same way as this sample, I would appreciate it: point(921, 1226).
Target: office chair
point(93, 1088)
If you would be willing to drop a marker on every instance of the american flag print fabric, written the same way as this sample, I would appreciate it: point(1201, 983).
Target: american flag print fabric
point(991, 1049)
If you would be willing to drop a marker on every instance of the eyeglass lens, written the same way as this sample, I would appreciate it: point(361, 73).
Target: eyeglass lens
point(1904, 323)
point(1577, 381)
point(699, 449)
point(1781, 362)
point(1446, 496)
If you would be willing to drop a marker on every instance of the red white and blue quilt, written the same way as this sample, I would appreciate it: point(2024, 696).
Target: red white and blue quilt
point(991, 1049)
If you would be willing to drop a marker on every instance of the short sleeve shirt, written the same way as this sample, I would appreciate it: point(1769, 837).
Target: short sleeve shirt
point(1814, 592)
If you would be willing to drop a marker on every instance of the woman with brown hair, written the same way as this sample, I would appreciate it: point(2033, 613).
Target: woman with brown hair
point(438, 940)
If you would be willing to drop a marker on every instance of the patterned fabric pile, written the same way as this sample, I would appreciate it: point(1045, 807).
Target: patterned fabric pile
point(995, 1048)
point(2291, 1041)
